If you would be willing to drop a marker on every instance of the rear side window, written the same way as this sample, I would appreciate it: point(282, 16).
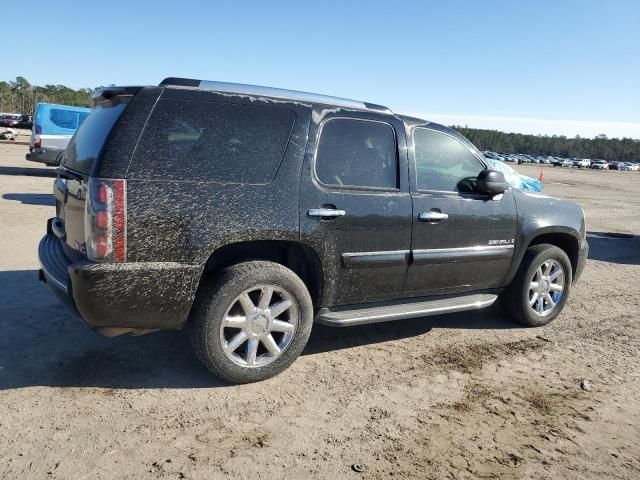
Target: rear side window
point(210, 141)
point(357, 153)
point(443, 163)
point(87, 143)
point(67, 118)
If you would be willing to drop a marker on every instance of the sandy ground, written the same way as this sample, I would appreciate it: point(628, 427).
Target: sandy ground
point(461, 396)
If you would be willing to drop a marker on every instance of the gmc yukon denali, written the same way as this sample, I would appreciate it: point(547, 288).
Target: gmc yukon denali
point(246, 214)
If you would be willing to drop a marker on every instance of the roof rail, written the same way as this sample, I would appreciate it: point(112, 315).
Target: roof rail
point(270, 92)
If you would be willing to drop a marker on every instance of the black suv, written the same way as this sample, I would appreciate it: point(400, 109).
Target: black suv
point(247, 213)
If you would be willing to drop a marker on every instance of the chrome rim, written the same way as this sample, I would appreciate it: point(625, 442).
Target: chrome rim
point(546, 288)
point(259, 326)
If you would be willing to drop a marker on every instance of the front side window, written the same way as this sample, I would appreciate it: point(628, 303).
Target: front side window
point(443, 163)
point(357, 153)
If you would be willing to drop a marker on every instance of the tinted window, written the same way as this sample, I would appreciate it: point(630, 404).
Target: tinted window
point(443, 163)
point(87, 143)
point(208, 141)
point(357, 153)
point(67, 118)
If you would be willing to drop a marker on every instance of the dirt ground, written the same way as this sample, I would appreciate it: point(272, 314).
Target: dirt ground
point(460, 396)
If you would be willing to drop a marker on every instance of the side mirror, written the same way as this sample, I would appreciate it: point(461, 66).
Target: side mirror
point(491, 182)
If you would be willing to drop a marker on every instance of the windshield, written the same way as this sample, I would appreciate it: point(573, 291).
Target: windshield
point(87, 143)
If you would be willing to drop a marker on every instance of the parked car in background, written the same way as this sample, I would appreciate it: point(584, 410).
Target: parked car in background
point(26, 122)
point(628, 166)
point(10, 120)
point(614, 165)
point(600, 165)
point(581, 163)
point(245, 214)
point(54, 125)
point(567, 163)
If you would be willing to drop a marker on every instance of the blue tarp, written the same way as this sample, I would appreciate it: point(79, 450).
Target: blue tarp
point(514, 178)
point(54, 119)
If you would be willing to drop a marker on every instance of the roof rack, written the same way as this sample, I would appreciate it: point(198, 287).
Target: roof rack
point(271, 92)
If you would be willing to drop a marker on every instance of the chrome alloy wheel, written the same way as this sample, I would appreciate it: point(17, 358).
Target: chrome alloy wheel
point(546, 288)
point(259, 326)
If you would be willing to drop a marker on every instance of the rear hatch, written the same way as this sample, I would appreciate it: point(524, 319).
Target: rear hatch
point(78, 194)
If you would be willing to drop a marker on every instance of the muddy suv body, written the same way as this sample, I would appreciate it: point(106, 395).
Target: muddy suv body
point(247, 213)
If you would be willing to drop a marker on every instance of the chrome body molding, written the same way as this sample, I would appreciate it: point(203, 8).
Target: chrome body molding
point(463, 254)
point(421, 257)
point(389, 258)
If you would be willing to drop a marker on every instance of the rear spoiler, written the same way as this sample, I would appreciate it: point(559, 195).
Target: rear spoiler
point(180, 82)
point(107, 94)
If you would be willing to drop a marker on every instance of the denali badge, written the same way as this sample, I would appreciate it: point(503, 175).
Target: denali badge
point(502, 242)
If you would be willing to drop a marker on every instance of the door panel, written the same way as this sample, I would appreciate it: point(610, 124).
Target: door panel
point(462, 240)
point(472, 249)
point(365, 249)
point(364, 253)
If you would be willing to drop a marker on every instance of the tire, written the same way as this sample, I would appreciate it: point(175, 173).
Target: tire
point(517, 298)
point(217, 321)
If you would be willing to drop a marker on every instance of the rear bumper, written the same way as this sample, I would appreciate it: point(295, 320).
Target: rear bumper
point(149, 295)
point(583, 253)
point(43, 155)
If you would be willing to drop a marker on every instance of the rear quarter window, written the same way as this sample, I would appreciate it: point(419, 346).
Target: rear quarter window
point(211, 141)
point(86, 145)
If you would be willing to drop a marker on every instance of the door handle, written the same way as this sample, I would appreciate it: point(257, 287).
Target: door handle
point(326, 212)
point(432, 217)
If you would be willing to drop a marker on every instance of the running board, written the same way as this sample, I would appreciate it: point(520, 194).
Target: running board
point(343, 317)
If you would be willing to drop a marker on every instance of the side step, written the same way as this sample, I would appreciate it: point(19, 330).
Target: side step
point(345, 317)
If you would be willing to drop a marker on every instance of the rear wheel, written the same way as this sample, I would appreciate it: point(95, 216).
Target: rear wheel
point(252, 322)
point(541, 287)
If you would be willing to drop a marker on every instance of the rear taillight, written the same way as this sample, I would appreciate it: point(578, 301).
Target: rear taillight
point(37, 143)
point(105, 220)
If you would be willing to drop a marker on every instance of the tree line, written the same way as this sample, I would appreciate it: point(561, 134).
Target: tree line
point(600, 147)
point(20, 96)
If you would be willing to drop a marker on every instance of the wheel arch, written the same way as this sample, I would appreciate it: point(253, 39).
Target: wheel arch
point(298, 257)
point(565, 241)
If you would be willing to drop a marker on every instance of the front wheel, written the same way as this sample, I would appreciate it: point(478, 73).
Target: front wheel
point(252, 322)
point(541, 287)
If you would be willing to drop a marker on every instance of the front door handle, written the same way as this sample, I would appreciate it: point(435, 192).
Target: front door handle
point(326, 212)
point(432, 217)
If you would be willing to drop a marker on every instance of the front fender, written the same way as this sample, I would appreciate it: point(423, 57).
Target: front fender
point(539, 215)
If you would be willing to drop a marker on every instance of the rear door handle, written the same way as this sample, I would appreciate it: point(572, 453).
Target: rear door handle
point(432, 217)
point(326, 212)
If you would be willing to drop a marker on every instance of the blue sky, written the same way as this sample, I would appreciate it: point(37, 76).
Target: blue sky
point(542, 66)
